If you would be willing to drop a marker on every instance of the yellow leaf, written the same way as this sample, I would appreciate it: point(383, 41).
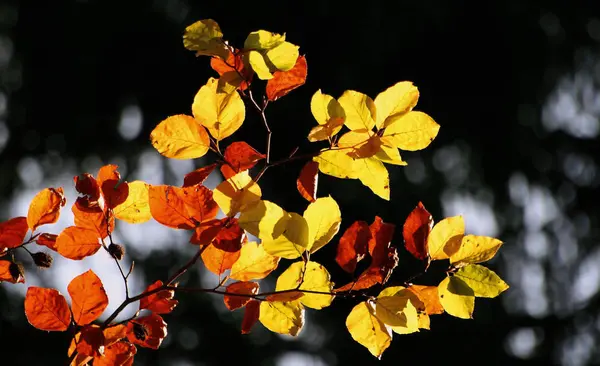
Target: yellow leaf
point(483, 282)
point(237, 193)
point(410, 131)
point(390, 155)
point(314, 278)
point(221, 113)
point(180, 137)
point(445, 237)
point(136, 208)
point(475, 249)
point(366, 329)
point(373, 174)
point(397, 99)
point(359, 109)
point(282, 317)
point(391, 291)
point(263, 40)
point(363, 143)
point(282, 57)
point(324, 132)
point(456, 297)
point(264, 219)
point(259, 65)
point(325, 108)
point(294, 240)
point(336, 163)
point(323, 217)
point(397, 311)
point(254, 263)
point(205, 37)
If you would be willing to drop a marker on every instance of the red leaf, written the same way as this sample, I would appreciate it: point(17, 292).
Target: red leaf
point(77, 242)
point(353, 246)
point(240, 156)
point(114, 191)
point(284, 82)
point(12, 232)
point(198, 176)
point(11, 272)
point(308, 180)
point(45, 207)
point(88, 298)
point(381, 237)
point(91, 341)
point(148, 331)
point(416, 229)
point(182, 208)
point(233, 70)
point(225, 248)
point(47, 309)
point(245, 288)
point(161, 302)
point(47, 240)
point(251, 315)
point(206, 232)
point(87, 185)
point(117, 354)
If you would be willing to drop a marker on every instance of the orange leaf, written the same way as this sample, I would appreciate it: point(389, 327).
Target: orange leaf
point(91, 341)
point(370, 277)
point(79, 360)
point(148, 331)
point(88, 297)
point(12, 232)
point(231, 69)
point(47, 309)
point(45, 207)
point(284, 82)
point(182, 208)
point(115, 333)
point(285, 296)
point(10, 272)
point(225, 248)
point(206, 232)
point(77, 242)
point(93, 218)
point(244, 288)
point(117, 354)
point(416, 229)
point(240, 156)
point(353, 246)
point(308, 180)
point(198, 176)
point(47, 240)
point(251, 315)
point(430, 298)
point(161, 302)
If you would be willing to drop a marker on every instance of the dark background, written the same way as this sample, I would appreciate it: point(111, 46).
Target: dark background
point(515, 86)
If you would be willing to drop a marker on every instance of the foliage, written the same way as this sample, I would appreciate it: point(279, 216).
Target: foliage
point(376, 130)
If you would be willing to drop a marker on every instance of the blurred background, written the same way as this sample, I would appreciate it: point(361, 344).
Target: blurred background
point(514, 84)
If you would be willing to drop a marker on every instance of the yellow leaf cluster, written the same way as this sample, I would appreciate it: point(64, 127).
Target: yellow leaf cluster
point(269, 52)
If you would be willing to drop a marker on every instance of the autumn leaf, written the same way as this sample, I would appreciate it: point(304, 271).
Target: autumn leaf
point(292, 242)
point(91, 341)
point(372, 173)
point(329, 115)
point(198, 176)
point(251, 315)
point(254, 263)
point(113, 189)
point(368, 330)
point(87, 186)
point(93, 218)
point(45, 207)
point(475, 249)
point(161, 302)
point(180, 137)
point(237, 193)
point(117, 354)
point(284, 82)
point(182, 208)
point(225, 248)
point(359, 109)
point(264, 219)
point(308, 181)
point(88, 297)
point(233, 302)
point(46, 309)
point(205, 37)
point(77, 242)
point(312, 277)
point(207, 231)
point(429, 297)
point(416, 230)
point(282, 317)
point(136, 208)
point(239, 156)
point(323, 217)
point(360, 143)
point(483, 282)
point(263, 40)
point(12, 233)
point(269, 52)
point(47, 240)
point(457, 298)
point(394, 101)
point(233, 72)
point(148, 331)
point(353, 246)
point(397, 311)
point(445, 237)
point(11, 272)
point(410, 131)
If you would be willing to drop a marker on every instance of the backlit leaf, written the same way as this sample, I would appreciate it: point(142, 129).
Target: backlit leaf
point(180, 137)
point(263, 40)
point(148, 331)
point(457, 298)
point(47, 240)
point(323, 217)
point(264, 219)
point(410, 131)
point(237, 193)
point(233, 302)
point(313, 277)
point(251, 315)
point(308, 181)
point(12, 232)
point(293, 241)
point(198, 176)
point(359, 109)
point(353, 246)
point(326, 131)
point(373, 174)
point(47, 309)
point(136, 208)
point(361, 143)
point(445, 237)
point(161, 302)
point(282, 317)
point(45, 207)
point(92, 218)
point(337, 163)
point(475, 249)
point(325, 108)
point(368, 330)
point(91, 341)
point(233, 72)
point(240, 156)
point(429, 297)
point(10, 272)
point(205, 37)
point(77, 242)
point(225, 248)
point(88, 298)
point(390, 155)
point(397, 99)
point(254, 263)
point(207, 231)
point(283, 57)
point(221, 113)
point(397, 311)
point(117, 354)
point(284, 82)
point(259, 65)
point(182, 208)
point(483, 282)
point(416, 229)
point(114, 190)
